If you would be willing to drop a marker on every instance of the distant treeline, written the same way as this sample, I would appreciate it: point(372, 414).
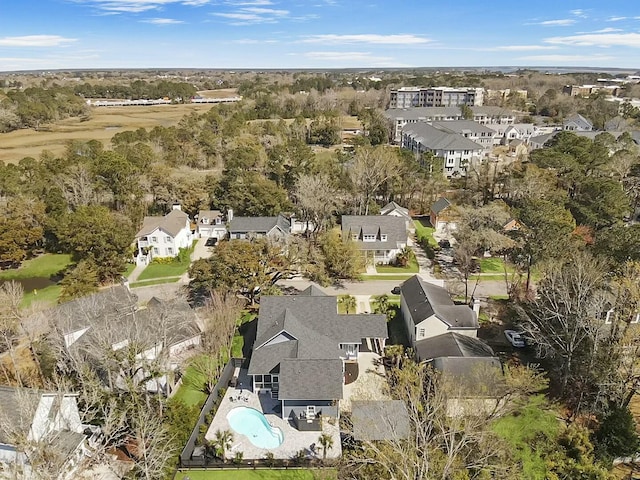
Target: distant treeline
point(138, 89)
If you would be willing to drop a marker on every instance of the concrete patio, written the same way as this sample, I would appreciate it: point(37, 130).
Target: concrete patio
point(371, 383)
point(294, 440)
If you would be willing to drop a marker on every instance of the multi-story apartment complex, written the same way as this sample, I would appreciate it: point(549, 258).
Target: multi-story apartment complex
point(410, 97)
point(457, 151)
point(399, 117)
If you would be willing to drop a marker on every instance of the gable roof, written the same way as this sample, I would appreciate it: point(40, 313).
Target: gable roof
point(578, 120)
point(440, 204)
point(394, 207)
point(303, 333)
point(463, 126)
point(380, 420)
point(395, 228)
point(435, 138)
point(425, 300)
point(209, 214)
point(172, 223)
point(451, 344)
point(259, 224)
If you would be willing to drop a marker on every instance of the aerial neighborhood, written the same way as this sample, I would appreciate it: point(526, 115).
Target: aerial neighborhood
point(358, 275)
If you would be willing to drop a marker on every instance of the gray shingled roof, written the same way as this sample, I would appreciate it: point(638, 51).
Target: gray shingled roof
point(579, 120)
point(209, 214)
point(310, 379)
point(425, 299)
point(451, 344)
point(420, 113)
point(380, 420)
point(171, 223)
point(307, 328)
point(440, 205)
point(463, 126)
point(258, 224)
point(473, 376)
point(435, 138)
point(17, 408)
point(393, 206)
point(394, 227)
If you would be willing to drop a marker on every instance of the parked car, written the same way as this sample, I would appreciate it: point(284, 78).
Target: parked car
point(396, 290)
point(444, 243)
point(211, 242)
point(515, 338)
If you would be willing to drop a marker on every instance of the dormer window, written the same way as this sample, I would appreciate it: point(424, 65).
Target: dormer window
point(205, 221)
point(369, 238)
point(383, 237)
point(354, 236)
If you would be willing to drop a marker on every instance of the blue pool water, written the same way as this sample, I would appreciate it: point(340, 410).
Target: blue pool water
point(254, 425)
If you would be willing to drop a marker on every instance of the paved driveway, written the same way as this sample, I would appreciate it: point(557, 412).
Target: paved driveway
point(201, 250)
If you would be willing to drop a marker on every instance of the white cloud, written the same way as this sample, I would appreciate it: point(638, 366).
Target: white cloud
point(616, 19)
point(606, 30)
point(562, 22)
point(400, 39)
point(579, 12)
point(36, 41)
point(137, 6)
point(253, 15)
point(250, 2)
point(163, 21)
point(522, 48)
point(560, 59)
point(598, 39)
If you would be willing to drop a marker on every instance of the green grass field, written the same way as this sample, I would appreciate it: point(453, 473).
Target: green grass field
point(40, 267)
point(160, 270)
point(493, 265)
point(188, 393)
point(412, 267)
point(46, 296)
point(299, 474)
point(154, 281)
point(425, 232)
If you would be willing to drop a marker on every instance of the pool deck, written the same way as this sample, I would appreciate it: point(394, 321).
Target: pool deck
point(294, 440)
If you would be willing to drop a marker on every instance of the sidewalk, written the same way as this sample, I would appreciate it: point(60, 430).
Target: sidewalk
point(133, 276)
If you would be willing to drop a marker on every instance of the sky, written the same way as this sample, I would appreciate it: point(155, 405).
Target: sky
point(76, 34)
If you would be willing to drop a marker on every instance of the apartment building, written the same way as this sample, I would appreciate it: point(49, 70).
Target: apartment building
point(399, 117)
point(476, 132)
point(457, 151)
point(411, 97)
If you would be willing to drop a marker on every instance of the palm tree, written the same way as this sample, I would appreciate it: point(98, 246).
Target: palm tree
point(382, 304)
point(348, 302)
point(222, 442)
point(404, 257)
point(326, 441)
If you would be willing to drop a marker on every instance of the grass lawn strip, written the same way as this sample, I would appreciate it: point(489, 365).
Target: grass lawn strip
point(493, 265)
point(290, 474)
point(160, 270)
point(412, 267)
point(40, 267)
point(386, 277)
point(425, 232)
point(157, 281)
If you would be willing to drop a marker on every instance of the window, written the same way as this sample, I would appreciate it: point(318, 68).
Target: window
point(354, 236)
point(259, 378)
point(383, 237)
point(155, 250)
point(421, 332)
point(154, 239)
point(466, 152)
point(369, 238)
point(168, 239)
point(274, 378)
point(170, 251)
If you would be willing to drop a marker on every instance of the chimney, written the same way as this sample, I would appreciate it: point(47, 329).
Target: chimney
point(475, 305)
point(176, 206)
point(229, 214)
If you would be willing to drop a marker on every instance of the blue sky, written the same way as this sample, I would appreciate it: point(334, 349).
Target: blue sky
point(51, 34)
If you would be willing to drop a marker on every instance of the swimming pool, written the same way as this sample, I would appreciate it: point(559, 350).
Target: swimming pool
point(254, 425)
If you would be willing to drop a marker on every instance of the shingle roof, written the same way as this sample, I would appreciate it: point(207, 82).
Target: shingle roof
point(17, 408)
point(380, 420)
point(451, 344)
point(421, 113)
point(440, 205)
point(579, 120)
point(209, 214)
point(172, 223)
point(258, 224)
point(310, 379)
point(307, 328)
point(393, 206)
point(394, 227)
point(463, 126)
point(435, 138)
point(425, 299)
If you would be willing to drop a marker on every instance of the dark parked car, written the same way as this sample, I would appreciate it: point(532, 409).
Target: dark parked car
point(211, 242)
point(396, 290)
point(444, 244)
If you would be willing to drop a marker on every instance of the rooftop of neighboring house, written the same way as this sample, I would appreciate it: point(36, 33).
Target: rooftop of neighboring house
point(440, 205)
point(380, 420)
point(172, 223)
point(424, 300)
point(299, 336)
point(436, 138)
point(259, 224)
point(451, 344)
point(579, 120)
point(394, 207)
point(390, 232)
point(418, 113)
point(209, 216)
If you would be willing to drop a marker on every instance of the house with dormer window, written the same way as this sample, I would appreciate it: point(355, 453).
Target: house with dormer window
point(379, 237)
point(161, 237)
point(211, 224)
point(303, 347)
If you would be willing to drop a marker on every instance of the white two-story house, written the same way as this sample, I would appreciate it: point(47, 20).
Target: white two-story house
point(163, 236)
point(379, 237)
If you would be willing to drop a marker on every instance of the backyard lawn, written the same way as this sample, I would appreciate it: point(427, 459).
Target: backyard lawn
point(423, 232)
point(189, 392)
point(159, 270)
point(40, 267)
point(48, 295)
point(493, 265)
point(298, 474)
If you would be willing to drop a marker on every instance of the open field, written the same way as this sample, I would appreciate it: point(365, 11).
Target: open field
point(219, 93)
point(42, 266)
point(104, 123)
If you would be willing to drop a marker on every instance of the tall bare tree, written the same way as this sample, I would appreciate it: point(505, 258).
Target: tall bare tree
point(371, 167)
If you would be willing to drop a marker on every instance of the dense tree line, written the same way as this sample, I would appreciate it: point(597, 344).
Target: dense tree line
point(138, 89)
